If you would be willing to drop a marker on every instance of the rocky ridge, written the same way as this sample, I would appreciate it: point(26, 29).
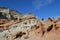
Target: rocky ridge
point(17, 26)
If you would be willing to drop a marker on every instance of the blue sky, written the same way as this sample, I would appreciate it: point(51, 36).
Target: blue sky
point(40, 8)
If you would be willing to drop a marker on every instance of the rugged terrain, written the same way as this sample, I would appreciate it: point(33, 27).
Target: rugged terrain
point(17, 26)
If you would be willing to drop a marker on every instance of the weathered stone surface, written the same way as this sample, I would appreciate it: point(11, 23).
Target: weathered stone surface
point(16, 26)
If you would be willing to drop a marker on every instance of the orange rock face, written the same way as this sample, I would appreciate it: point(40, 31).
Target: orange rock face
point(28, 27)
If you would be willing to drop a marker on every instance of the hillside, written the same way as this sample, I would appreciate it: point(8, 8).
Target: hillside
point(17, 26)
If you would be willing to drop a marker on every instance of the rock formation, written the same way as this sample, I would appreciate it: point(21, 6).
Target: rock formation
point(17, 26)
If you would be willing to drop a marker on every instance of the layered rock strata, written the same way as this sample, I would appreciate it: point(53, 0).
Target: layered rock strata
point(17, 26)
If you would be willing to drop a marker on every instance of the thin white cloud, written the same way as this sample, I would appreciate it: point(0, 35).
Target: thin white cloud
point(39, 3)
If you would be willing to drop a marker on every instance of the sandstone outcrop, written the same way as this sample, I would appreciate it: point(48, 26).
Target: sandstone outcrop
point(17, 26)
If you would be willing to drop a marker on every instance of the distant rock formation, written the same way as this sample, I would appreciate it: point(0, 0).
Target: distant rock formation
point(17, 26)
